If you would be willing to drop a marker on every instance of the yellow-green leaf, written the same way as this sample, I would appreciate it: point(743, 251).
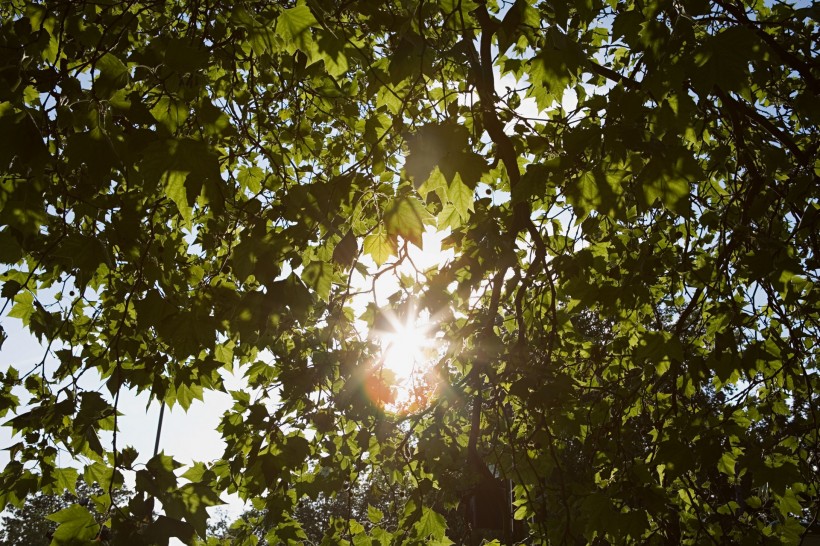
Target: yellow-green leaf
point(448, 217)
point(176, 192)
point(380, 246)
point(77, 525)
point(293, 25)
point(406, 217)
point(461, 197)
point(319, 276)
point(431, 523)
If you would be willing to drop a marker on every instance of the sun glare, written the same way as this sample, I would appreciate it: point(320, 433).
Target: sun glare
point(404, 348)
point(409, 338)
point(407, 349)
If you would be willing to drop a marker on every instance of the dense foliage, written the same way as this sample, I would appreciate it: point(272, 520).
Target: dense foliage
point(35, 522)
point(372, 501)
point(627, 331)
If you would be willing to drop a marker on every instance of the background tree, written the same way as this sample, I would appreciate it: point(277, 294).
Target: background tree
point(28, 524)
point(326, 516)
point(32, 525)
point(626, 331)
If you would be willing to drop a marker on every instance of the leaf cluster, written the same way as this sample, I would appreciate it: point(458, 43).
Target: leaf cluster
point(628, 326)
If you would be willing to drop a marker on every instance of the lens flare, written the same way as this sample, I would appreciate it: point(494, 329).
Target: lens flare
point(408, 349)
point(404, 349)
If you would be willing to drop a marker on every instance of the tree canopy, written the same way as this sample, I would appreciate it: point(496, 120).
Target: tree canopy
point(625, 329)
point(35, 523)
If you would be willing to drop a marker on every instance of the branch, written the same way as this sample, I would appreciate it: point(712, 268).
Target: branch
point(479, 367)
point(798, 64)
point(617, 77)
point(482, 69)
point(752, 113)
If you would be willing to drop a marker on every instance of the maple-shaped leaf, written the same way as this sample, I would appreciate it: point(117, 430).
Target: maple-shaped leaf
point(407, 217)
point(446, 146)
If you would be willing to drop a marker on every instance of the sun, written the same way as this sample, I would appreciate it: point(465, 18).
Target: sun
point(404, 348)
point(408, 346)
point(409, 338)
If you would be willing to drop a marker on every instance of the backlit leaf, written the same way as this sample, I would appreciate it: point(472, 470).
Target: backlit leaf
point(294, 25)
point(76, 525)
point(407, 217)
point(431, 524)
point(319, 276)
point(461, 197)
point(380, 246)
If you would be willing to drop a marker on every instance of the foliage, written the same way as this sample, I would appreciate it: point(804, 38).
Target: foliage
point(34, 523)
point(371, 500)
point(628, 328)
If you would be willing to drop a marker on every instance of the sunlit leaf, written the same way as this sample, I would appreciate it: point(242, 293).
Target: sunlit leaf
point(76, 525)
point(380, 246)
point(407, 217)
point(461, 197)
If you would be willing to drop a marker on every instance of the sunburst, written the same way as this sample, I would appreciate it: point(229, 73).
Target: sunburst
point(408, 344)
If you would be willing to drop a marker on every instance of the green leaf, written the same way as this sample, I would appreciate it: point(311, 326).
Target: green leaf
point(374, 514)
point(184, 394)
point(190, 502)
point(726, 464)
point(331, 50)
point(170, 113)
point(407, 217)
point(23, 306)
point(113, 75)
point(431, 524)
point(163, 528)
point(725, 60)
point(788, 504)
point(186, 170)
point(521, 17)
point(461, 197)
point(435, 182)
point(10, 251)
point(380, 246)
point(319, 276)
point(65, 479)
point(596, 191)
point(446, 146)
point(666, 180)
point(185, 56)
point(161, 468)
point(294, 25)
point(251, 178)
point(223, 352)
point(448, 217)
point(76, 525)
point(346, 250)
point(21, 143)
point(100, 473)
point(555, 68)
point(176, 192)
point(535, 182)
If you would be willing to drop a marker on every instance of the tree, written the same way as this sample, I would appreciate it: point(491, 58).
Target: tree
point(28, 525)
point(626, 332)
point(372, 500)
point(34, 523)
